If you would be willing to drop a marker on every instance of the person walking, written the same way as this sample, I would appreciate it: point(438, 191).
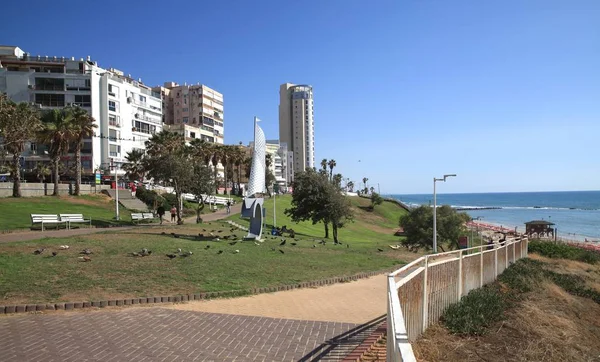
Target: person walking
point(161, 212)
point(229, 206)
point(133, 189)
point(173, 214)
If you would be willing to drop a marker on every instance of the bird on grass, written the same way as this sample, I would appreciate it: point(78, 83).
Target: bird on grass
point(85, 258)
point(201, 235)
point(220, 252)
point(163, 233)
point(282, 243)
point(293, 244)
point(185, 255)
point(236, 251)
point(171, 256)
point(63, 247)
point(380, 250)
point(281, 251)
point(233, 243)
point(314, 246)
point(146, 252)
point(216, 239)
point(207, 247)
point(54, 253)
point(176, 236)
point(203, 229)
point(257, 244)
point(212, 234)
point(348, 246)
point(86, 251)
point(135, 253)
point(39, 251)
point(179, 250)
point(272, 249)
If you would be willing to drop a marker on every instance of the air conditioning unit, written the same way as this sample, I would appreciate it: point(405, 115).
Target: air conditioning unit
point(129, 99)
point(31, 86)
point(137, 115)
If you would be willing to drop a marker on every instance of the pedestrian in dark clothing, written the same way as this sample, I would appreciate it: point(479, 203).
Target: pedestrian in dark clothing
point(161, 212)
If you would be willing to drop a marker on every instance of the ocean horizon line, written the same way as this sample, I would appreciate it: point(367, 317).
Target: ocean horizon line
point(482, 193)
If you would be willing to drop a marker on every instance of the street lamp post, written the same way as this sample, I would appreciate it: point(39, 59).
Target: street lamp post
point(435, 210)
point(114, 164)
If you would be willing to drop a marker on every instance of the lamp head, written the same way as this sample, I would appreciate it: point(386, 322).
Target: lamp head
point(450, 175)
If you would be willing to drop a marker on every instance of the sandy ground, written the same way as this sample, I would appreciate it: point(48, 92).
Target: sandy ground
point(354, 302)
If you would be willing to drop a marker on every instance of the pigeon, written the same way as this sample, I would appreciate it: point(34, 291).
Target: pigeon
point(185, 255)
point(272, 249)
point(85, 258)
point(216, 239)
point(163, 233)
point(203, 229)
point(201, 235)
point(212, 234)
point(257, 244)
point(179, 250)
point(135, 253)
point(145, 252)
point(171, 256)
point(176, 236)
point(379, 249)
point(54, 253)
point(282, 243)
point(348, 246)
point(63, 247)
point(173, 234)
point(314, 246)
point(281, 251)
point(293, 244)
point(39, 251)
point(220, 252)
point(237, 251)
point(207, 247)
point(86, 252)
point(233, 243)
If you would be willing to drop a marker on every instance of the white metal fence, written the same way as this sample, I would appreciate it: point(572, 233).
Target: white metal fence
point(420, 292)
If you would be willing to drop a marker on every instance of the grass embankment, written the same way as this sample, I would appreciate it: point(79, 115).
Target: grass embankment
point(100, 208)
point(377, 225)
point(538, 309)
point(112, 273)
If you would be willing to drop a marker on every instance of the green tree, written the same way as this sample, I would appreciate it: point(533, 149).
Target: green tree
point(350, 186)
point(42, 171)
point(134, 168)
point(19, 123)
point(324, 164)
point(337, 210)
point(269, 177)
point(200, 184)
point(82, 126)
point(376, 199)
point(56, 134)
point(418, 227)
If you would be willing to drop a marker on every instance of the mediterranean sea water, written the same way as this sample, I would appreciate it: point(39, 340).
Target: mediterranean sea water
point(576, 214)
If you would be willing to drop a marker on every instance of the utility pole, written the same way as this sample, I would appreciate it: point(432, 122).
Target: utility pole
point(114, 165)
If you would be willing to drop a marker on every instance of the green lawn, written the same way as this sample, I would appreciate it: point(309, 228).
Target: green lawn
point(17, 211)
point(29, 278)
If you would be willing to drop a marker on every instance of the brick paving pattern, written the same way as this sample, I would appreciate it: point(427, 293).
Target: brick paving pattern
point(159, 334)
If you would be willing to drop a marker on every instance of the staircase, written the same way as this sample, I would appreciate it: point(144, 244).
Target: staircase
point(126, 200)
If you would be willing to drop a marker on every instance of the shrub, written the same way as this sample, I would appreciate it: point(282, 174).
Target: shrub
point(476, 311)
point(563, 251)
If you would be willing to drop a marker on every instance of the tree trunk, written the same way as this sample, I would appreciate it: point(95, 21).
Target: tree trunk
point(335, 232)
point(78, 169)
point(56, 177)
point(239, 175)
point(216, 181)
point(225, 179)
point(199, 209)
point(326, 230)
point(16, 175)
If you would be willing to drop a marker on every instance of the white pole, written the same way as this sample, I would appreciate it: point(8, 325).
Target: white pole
point(274, 217)
point(116, 191)
point(434, 220)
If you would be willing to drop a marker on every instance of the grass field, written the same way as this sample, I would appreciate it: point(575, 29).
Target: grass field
point(17, 211)
point(25, 277)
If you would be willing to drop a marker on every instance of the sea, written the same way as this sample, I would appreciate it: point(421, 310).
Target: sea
point(576, 214)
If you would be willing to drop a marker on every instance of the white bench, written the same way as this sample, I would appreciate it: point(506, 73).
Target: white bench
point(46, 219)
point(142, 216)
point(74, 218)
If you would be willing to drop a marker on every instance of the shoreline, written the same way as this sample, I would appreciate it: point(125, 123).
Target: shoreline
point(568, 237)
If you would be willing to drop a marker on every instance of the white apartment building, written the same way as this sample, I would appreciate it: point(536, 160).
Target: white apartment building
point(126, 111)
point(296, 124)
point(279, 166)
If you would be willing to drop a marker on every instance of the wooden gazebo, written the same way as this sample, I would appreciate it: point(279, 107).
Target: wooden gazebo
point(539, 228)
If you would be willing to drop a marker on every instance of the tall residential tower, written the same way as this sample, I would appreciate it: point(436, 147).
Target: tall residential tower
point(296, 125)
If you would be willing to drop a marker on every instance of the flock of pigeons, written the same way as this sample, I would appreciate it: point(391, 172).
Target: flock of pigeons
point(85, 258)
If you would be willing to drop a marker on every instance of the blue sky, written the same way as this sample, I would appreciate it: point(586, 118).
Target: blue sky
point(504, 93)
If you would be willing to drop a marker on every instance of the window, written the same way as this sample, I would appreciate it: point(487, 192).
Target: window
point(83, 100)
point(113, 135)
point(114, 121)
point(114, 150)
point(185, 120)
point(185, 109)
point(50, 100)
point(50, 84)
point(144, 127)
point(113, 90)
point(33, 147)
point(113, 106)
point(193, 134)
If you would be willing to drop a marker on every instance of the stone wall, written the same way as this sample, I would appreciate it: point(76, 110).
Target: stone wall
point(46, 189)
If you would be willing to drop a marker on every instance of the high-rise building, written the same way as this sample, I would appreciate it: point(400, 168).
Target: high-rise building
point(195, 110)
point(126, 111)
point(296, 124)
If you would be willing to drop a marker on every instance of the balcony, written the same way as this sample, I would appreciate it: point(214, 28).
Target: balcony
point(114, 123)
point(113, 154)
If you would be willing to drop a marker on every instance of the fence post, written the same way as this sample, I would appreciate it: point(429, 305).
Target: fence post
point(460, 267)
point(514, 254)
point(505, 256)
point(495, 262)
point(481, 267)
point(425, 295)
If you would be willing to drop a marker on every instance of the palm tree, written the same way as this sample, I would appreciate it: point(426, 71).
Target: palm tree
point(324, 164)
point(82, 126)
point(18, 124)
point(134, 168)
point(217, 152)
point(331, 164)
point(350, 186)
point(42, 170)
point(56, 133)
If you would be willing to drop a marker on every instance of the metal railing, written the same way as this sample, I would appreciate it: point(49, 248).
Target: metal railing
point(420, 292)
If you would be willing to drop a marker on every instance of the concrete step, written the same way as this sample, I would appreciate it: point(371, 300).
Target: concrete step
point(133, 204)
point(123, 194)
